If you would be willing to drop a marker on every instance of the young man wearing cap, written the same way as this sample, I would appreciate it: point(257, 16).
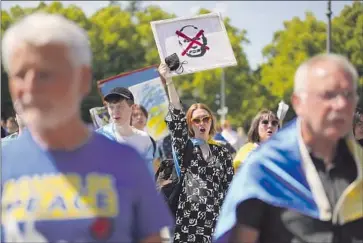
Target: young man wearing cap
point(119, 102)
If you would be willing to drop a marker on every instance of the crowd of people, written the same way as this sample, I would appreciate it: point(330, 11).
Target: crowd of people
point(204, 182)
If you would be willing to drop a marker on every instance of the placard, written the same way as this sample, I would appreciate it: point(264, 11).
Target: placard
point(100, 116)
point(148, 90)
point(200, 42)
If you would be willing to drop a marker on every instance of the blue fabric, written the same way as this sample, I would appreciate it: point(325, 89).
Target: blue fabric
point(197, 141)
point(7, 139)
point(219, 137)
point(273, 174)
point(101, 181)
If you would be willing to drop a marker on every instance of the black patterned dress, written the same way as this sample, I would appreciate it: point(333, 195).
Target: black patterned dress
point(201, 198)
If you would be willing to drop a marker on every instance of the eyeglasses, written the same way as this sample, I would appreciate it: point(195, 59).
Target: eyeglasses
point(274, 123)
point(331, 95)
point(198, 120)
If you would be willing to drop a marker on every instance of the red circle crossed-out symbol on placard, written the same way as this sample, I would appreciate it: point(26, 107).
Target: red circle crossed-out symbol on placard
point(192, 41)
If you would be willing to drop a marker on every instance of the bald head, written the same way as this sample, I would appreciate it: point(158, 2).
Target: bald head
point(325, 96)
point(321, 66)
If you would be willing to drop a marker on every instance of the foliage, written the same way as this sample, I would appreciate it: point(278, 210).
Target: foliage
point(301, 39)
point(122, 40)
point(347, 37)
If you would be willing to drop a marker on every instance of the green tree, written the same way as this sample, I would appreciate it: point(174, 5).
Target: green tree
point(122, 40)
point(347, 37)
point(145, 35)
point(6, 21)
point(71, 12)
point(301, 39)
point(118, 43)
point(290, 47)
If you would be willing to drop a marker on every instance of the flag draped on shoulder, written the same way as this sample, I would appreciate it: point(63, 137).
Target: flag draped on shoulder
point(275, 174)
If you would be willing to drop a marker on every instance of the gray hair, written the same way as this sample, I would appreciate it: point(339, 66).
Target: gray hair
point(303, 70)
point(40, 29)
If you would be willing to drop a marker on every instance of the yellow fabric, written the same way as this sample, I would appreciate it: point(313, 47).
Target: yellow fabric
point(214, 142)
point(242, 154)
point(350, 204)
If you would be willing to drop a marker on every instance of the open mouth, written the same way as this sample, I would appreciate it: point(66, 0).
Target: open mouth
point(202, 130)
point(269, 132)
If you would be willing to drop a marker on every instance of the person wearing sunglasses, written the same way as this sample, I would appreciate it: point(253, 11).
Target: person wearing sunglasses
point(206, 166)
point(263, 126)
point(358, 126)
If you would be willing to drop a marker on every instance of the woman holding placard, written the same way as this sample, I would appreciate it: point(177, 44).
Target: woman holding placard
point(206, 167)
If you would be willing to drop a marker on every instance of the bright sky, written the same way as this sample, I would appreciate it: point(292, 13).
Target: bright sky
point(260, 18)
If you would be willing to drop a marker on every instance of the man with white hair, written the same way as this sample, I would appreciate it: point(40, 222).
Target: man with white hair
point(305, 183)
point(60, 181)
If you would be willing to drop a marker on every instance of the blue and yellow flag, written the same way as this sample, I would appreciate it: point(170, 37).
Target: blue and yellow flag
point(275, 174)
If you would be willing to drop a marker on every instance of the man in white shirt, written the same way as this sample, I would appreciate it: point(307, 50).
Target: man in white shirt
point(119, 102)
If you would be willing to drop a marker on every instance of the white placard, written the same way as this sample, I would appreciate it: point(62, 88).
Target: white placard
point(201, 42)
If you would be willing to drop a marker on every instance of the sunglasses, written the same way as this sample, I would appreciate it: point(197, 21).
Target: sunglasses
point(274, 123)
point(198, 120)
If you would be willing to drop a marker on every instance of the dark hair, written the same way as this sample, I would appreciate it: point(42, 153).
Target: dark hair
point(358, 115)
point(253, 136)
point(118, 98)
point(143, 110)
point(11, 119)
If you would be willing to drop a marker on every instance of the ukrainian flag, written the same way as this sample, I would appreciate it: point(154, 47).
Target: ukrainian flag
point(280, 173)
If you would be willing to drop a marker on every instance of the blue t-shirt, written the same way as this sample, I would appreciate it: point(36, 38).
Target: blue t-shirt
point(90, 194)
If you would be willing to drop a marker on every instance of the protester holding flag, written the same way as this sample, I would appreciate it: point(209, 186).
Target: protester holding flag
point(263, 126)
point(119, 102)
point(205, 164)
point(61, 182)
point(305, 183)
